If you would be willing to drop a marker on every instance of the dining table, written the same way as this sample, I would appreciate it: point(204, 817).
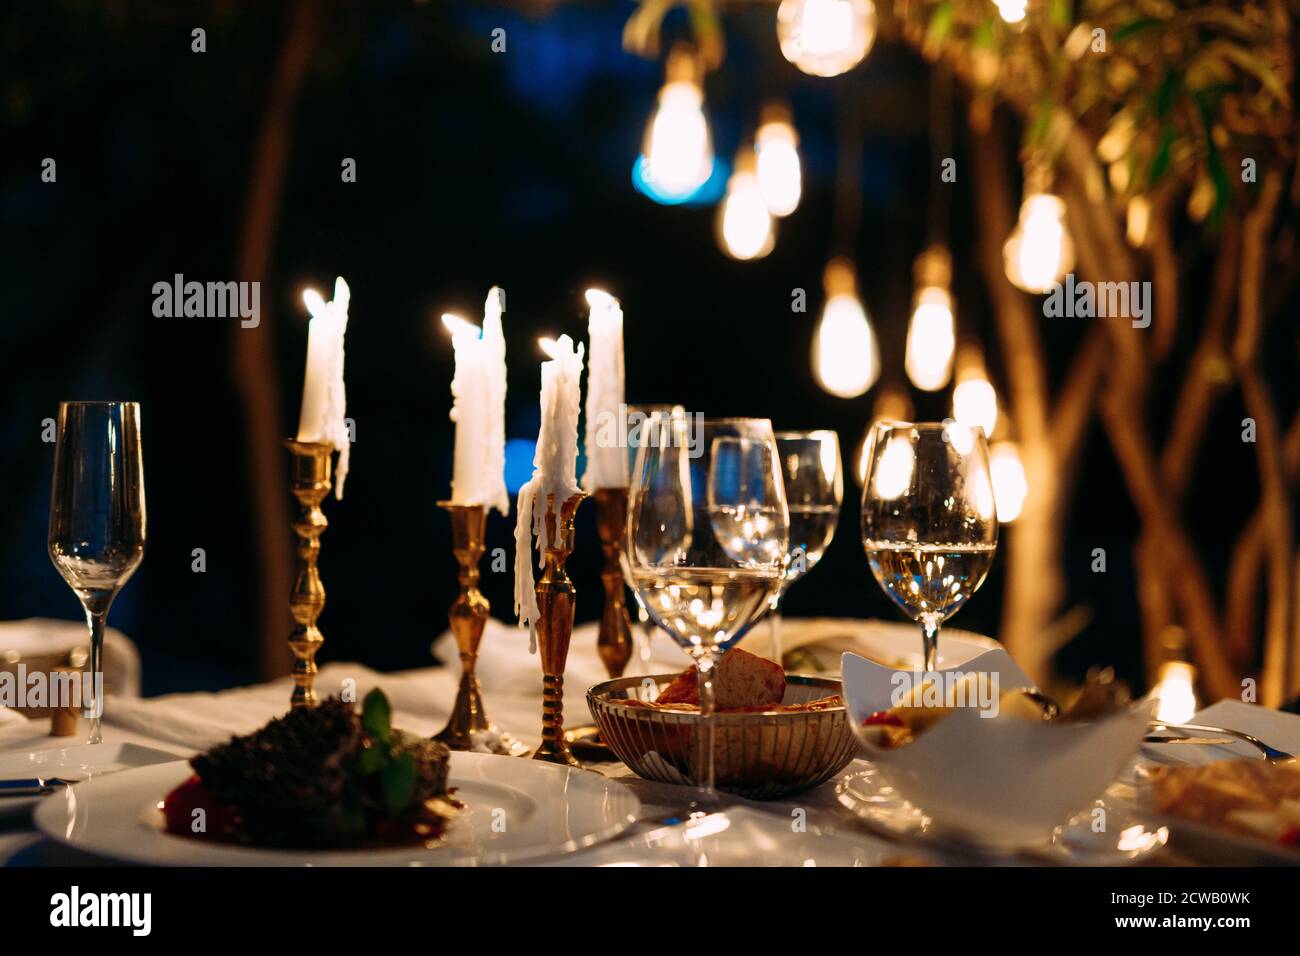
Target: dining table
point(808, 828)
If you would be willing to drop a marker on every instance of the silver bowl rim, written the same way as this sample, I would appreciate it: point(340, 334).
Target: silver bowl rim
point(598, 694)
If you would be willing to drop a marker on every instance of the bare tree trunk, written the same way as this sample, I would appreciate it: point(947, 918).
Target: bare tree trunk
point(253, 360)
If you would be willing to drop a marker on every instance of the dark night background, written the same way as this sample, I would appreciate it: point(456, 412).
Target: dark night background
point(473, 168)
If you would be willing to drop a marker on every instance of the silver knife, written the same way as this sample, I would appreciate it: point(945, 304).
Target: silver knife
point(32, 786)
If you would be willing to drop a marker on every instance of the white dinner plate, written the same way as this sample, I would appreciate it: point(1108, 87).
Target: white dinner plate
point(741, 836)
point(1120, 834)
point(515, 809)
point(80, 762)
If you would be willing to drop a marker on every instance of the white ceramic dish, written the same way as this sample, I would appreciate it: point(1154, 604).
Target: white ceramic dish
point(997, 782)
point(739, 836)
point(80, 762)
point(516, 810)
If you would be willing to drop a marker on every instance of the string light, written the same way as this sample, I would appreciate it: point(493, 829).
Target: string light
point(826, 37)
point(846, 360)
point(1012, 11)
point(930, 335)
point(745, 229)
point(1039, 251)
point(1010, 487)
point(974, 400)
point(677, 157)
point(779, 174)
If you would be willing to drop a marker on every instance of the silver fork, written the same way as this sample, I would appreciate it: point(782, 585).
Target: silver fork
point(1270, 753)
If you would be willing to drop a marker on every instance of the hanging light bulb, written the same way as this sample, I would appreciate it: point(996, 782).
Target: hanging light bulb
point(1039, 250)
point(745, 229)
point(826, 37)
point(1012, 11)
point(892, 404)
point(779, 175)
point(677, 157)
point(846, 360)
point(1010, 488)
point(930, 336)
point(974, 401)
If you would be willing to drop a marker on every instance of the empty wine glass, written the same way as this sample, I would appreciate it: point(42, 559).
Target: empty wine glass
point(97, 518)
point(707, 539)
point(637, 416)
point(929, 523)
point(814, 490)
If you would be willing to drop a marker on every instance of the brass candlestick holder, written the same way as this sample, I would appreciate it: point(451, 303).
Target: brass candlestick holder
point(614, 641)
point(468, 616)
point(311, 483)
point(555, 601)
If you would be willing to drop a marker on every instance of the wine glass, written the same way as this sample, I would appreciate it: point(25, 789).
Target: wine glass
point(97, 517)
point(814, 489)
point(929, 525)
point(637, 416)
point(707, 538)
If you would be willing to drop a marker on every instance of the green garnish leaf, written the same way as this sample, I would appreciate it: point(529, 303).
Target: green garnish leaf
point(399, 783)
point(372, 760)
point(377, 715)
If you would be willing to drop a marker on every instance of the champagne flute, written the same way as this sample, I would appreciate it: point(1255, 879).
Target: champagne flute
point(637, 416)
point(929, 525)
point(707, 540)
point(814, 489)
point(97, 518)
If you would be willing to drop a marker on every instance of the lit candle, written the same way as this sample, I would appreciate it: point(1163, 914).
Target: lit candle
point(478, 390)
point(555, 465)
point(606, 458)
point(322, 417)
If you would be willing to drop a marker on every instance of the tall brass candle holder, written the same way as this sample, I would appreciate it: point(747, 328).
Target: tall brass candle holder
point(555, 601)
point(311, 483)
point(614, 641)
point(468, 616)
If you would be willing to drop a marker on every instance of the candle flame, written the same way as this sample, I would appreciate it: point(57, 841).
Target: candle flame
point(314, 301)
point(599, 297)
point(547, 345)
point(456, 325)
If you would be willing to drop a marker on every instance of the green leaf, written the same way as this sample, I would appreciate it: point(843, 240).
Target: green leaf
point(940, 26)
point(373, 759)
point(1161, 161)
point(399, 783)
point(377, 715)
point(1134, 28)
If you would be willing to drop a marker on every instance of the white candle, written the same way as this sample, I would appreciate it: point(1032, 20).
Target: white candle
point(323, 415)
point(606, 456)
point(478, 391)
point(555, 465)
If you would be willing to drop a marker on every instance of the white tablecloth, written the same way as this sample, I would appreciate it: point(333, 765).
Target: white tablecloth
point(511, 679)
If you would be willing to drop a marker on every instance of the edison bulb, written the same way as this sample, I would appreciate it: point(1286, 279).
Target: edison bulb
point(974, 402)
point(1039, 250)
point(1010, 487)
point(846, 359)
point(930, 340)
point(826, 37)
point(780, 178)
point(745, 229)
point(1012, 11)
point(678, 149)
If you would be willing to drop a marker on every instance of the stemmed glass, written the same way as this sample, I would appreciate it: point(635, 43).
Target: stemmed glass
point(708, 533)
point(814, 490)
point(97, 517)
point(929, 525)
point(637, 416)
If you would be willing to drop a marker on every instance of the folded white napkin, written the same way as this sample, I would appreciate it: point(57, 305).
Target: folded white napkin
point(45, 637)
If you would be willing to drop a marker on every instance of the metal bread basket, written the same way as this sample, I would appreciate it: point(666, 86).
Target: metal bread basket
point(759, 755)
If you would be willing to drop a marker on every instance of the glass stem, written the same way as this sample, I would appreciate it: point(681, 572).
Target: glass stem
point(774, 629)
point(707, 664)
point(94, 700)
point(930, 641)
